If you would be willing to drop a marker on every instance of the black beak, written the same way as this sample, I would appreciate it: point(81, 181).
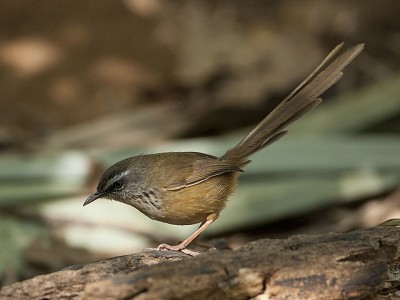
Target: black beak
point(93, 197)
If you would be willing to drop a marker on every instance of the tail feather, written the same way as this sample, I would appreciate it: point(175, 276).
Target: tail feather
point(300, 101)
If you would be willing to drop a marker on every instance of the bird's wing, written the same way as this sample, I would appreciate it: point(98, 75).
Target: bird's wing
point(199, 170)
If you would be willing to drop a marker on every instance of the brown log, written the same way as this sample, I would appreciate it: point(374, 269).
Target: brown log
point(362, 264)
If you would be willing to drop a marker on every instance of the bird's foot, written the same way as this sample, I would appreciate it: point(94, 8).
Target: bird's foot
point(180, 247)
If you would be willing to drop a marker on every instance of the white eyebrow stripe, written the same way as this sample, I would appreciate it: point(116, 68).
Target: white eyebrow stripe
point(117, 177)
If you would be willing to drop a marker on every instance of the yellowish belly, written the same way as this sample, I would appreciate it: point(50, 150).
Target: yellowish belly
point(193, 204)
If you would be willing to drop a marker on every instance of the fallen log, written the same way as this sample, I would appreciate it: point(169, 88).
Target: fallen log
point(362, 264)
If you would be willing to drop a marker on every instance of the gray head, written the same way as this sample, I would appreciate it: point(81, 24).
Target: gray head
point(119, 182)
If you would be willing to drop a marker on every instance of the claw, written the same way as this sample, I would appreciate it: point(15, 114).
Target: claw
point(179, 247)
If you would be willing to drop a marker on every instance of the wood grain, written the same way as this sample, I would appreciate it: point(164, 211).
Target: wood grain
point(357, 265)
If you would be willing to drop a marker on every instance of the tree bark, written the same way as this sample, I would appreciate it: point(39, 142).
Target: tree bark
point(362, 264)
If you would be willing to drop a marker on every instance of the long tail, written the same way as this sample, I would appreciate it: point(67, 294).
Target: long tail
point(300, 101)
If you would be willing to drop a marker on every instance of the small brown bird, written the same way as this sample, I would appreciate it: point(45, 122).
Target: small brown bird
point(189, 187)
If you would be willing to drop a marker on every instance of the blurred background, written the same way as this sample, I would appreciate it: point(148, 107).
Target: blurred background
point(84, 84)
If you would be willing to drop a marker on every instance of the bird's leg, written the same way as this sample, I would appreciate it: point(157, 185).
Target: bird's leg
point(182, 245)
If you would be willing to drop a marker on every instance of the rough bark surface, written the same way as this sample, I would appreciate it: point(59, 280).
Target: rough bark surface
point(363, 264)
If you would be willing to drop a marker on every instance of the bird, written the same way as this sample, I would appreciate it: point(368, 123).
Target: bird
point(185, 188)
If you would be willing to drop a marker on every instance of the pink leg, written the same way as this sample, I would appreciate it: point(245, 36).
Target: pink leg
point(182, 245)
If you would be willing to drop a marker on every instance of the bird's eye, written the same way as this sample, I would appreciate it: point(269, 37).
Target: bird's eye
point(118, 184)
